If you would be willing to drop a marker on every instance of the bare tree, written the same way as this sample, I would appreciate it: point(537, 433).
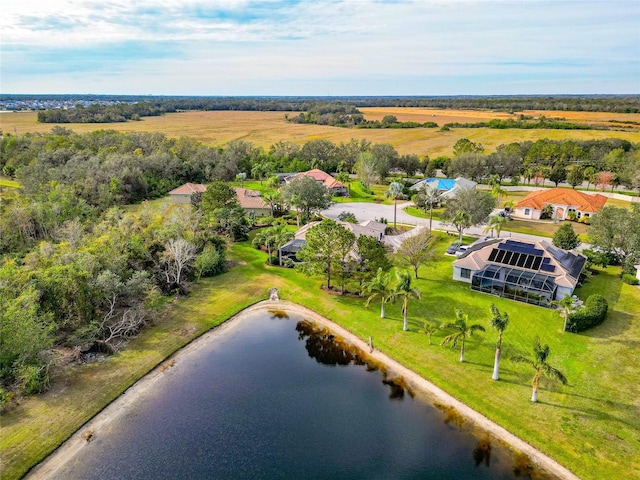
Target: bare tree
point(178, 256)
point(416, 250)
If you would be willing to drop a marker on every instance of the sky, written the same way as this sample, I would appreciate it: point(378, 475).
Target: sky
point(320, 47)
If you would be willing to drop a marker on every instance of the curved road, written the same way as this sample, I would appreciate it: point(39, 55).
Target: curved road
point(374, 211)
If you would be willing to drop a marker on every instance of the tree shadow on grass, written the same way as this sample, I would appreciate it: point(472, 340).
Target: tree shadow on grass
point(615, 324)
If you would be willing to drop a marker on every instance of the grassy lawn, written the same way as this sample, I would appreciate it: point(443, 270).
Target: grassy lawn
point(591, 426)
point(357, 194)
point(416, 212)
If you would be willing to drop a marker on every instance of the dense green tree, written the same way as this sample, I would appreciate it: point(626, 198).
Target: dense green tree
point(327, 248)
point(617, 231)
point(558, 173)
point(218, 195)
point(386, 156)
point(366, 169)
point(565, 237)
point(306, 195)
point(575, 176)
point(464, 145)
point(469, 207)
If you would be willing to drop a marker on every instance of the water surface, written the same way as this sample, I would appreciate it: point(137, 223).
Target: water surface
point(278, 398)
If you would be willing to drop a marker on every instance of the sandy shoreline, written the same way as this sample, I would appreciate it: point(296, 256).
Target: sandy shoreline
point(49, 467)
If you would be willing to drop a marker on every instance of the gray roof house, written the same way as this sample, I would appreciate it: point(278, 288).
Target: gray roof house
point(528, 271)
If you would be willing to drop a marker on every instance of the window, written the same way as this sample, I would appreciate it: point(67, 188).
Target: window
point(465, 273)
point(527, 211)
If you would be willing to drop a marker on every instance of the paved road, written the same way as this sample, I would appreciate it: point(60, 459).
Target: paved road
point(373, 211)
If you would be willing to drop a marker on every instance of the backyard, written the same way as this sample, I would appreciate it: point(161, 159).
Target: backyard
point(593, 421)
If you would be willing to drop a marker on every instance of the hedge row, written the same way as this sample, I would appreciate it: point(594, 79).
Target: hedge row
point(592, 314)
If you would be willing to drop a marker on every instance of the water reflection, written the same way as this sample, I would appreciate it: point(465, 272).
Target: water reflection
point(523, 467)
point(482, 452)
point(277, 314)
point(328, 349)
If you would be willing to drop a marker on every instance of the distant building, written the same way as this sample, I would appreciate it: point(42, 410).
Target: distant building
point(252, 202)
point(183, 193)
point(523, 270)
point(563, 201)
point(325, 179)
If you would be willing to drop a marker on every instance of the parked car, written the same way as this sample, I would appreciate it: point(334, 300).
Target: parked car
point(453, 248)
point(461, 250)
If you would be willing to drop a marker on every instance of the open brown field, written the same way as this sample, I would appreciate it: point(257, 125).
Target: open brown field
point(266, 128)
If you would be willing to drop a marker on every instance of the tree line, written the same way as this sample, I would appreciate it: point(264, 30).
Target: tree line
point(151, 105)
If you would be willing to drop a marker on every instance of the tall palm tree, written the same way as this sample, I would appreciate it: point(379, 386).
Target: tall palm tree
point(395, 192)
point(379, 287)
point(495, 223)
point(431, 196)
point(541, 367)
point(404, 290)
point(499, 321)
point(463, 331)
point(566, 304)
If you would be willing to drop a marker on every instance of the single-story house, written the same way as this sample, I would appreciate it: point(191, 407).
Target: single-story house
point(252, 202)
point(446, 187)
point(370, 227)
point(563, 200)
point(183, 193)
point(528, 271)
point(325, 179)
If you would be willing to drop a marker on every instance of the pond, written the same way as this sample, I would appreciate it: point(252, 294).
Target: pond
point(273, 396)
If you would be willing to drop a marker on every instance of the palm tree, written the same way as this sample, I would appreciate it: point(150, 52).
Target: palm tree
point(566, 304)
point(395, 192)
point(463, 331)
point(495, 223)
point(429, 329)
point(431, 196)
point(379, 287)
point(271, 197)
point(541, 367)
point(405, 291)
point(499, 321)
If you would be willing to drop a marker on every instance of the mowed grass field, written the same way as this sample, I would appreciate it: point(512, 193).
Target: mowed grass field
point(267, 128)
point(591, 425)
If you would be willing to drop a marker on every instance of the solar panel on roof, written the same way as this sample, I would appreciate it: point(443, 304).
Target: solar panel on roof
point(547, 268)
point(514, 259)
point(536, 263)
point(492, 255)
point(500, 256)
point(507, 257)
point(522, 260)
point(529, 261)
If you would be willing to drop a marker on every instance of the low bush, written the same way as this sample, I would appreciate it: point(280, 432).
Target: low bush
point(630, 279)
point(33, 378)
point(591, 315)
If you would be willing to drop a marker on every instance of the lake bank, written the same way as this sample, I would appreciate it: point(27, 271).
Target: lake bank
point(94, 427)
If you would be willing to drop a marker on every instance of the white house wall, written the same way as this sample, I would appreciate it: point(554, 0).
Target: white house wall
point(457, 275)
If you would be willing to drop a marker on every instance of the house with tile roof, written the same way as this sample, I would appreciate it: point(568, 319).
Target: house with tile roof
point(183, 193)
point(527, 271)
point(563, 200)
point(252, 202)
point(325, 179)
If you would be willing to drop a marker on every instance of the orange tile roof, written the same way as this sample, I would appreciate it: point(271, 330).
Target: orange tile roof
point(326, 179)
point(188, 189)
point(563, 196)
point(250, 198)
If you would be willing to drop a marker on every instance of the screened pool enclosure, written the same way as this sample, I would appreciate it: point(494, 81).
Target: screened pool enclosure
point(516, 284)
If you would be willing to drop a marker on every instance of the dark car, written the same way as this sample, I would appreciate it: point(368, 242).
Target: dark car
point(453, 248)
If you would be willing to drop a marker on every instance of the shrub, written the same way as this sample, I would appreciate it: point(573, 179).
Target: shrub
point(630, 279)
point(591, 315)
point(33, 378)
point(572, 216)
